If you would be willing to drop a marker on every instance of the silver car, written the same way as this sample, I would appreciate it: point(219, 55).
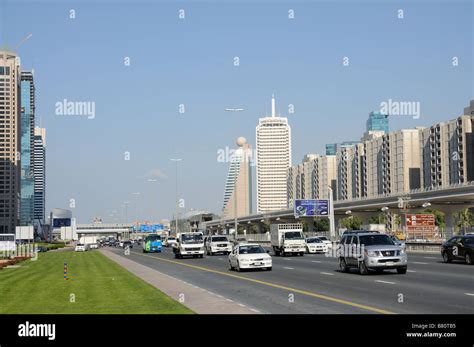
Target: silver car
point(371, 251)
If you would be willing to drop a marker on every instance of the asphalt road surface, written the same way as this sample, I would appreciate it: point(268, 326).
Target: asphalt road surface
point(314, 284)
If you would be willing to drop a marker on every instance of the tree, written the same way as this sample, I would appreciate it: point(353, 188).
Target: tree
point(321, 224)
point(381, 218)
point(352, 223)
point(464, 219)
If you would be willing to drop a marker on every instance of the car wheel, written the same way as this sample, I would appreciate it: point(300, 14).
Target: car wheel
point(302, 254)
point(231, 268)
point(402, 271)
point(446, 258)
point(343, 266)
point(238, 267)
point(468, 259)
point(277, 253)
point(269, 268)
point(363, 268)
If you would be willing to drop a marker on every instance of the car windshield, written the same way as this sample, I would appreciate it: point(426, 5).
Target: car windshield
point(323, 238)
point(314, 241)
point(80, 245)
point(219, 239)
point(293, 235)
point(152, 238)
point(469, 240)
point(376, 239)
point(191, 238)
point(254, 249)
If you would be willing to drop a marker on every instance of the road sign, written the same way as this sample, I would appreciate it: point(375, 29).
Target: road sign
point(311, 208)
point(420, 221)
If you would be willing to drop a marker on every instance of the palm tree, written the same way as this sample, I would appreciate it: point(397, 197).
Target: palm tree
point(464, 218)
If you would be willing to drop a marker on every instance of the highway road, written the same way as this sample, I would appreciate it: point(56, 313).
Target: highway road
point(314, 284)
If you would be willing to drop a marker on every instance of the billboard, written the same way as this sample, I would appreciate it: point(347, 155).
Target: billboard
point(311, 208)
point(149, 228)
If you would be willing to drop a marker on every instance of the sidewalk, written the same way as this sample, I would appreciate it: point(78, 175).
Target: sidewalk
point(197, 299)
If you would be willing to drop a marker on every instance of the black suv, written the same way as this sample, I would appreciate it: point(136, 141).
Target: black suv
point(458, 248)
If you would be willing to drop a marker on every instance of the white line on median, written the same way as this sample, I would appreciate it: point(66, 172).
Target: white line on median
point(387, 282)
point(419, 262)
point(470, 294)
point(411, 271)
point(430, 257)
point(288, 268)
point(326, 273)
point(316, 261)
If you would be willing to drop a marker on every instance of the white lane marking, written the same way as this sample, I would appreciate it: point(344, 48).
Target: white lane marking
point(430, 257)
point(316, 261)
point(387, 282)
point(221, 258)
point(470, 294)
point(288, 268)
point(411, 271)
point(254, 310)
point(287, 258)
point(326, 273)
point(419, 262)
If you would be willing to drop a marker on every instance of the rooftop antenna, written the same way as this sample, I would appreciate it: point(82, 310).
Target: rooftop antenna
point(273, 106)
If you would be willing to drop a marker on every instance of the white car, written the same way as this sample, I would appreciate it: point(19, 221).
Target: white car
point(325, 240)
point(218, 244)
point(170, 241)
point(249, 256)
point(316, 245)
point(80, 247)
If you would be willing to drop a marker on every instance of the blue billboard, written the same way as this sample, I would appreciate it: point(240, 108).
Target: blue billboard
point(149, 228)
point(311, 208)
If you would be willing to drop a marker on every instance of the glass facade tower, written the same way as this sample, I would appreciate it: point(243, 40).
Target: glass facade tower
point(27, 145)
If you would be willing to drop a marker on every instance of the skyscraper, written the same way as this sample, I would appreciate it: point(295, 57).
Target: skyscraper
point(273, 139)
point(39, 171)
point(238, 187)
point(377, 122)
point(27, 143)
point(9, 141)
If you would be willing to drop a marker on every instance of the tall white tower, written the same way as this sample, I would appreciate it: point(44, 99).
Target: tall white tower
point(238, 187)
point(273, 141)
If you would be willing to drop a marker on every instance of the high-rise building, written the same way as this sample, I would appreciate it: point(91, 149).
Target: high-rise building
point(27, 143)
point(447, 152)
point(392, 163)
point(377, 122)
point(9, 141)
point(238, 187)
point(312, 179)
point(351, 180)
point(39, 172)
point(273, 141)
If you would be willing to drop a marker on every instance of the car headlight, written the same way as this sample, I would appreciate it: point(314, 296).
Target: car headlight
point(402, 251)
point(372, 253)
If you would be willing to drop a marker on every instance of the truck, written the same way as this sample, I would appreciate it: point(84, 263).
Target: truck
point(151, 243)
point(287, 239)
point(90, 241)
point(189, 244)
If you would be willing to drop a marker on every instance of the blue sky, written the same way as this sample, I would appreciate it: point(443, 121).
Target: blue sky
point(190, 62)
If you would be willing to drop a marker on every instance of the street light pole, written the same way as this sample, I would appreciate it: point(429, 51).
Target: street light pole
point(332, 227)
point(176, 160)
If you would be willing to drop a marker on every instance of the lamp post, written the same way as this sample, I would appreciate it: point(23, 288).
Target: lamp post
point(176, 160)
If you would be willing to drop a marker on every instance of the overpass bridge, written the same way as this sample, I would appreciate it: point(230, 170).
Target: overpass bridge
point(121, 230)
point(449, 200)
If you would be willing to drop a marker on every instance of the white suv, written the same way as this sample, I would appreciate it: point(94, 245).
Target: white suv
point(218, 244)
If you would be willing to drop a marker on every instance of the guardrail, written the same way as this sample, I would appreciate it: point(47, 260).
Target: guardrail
point(411, 246)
